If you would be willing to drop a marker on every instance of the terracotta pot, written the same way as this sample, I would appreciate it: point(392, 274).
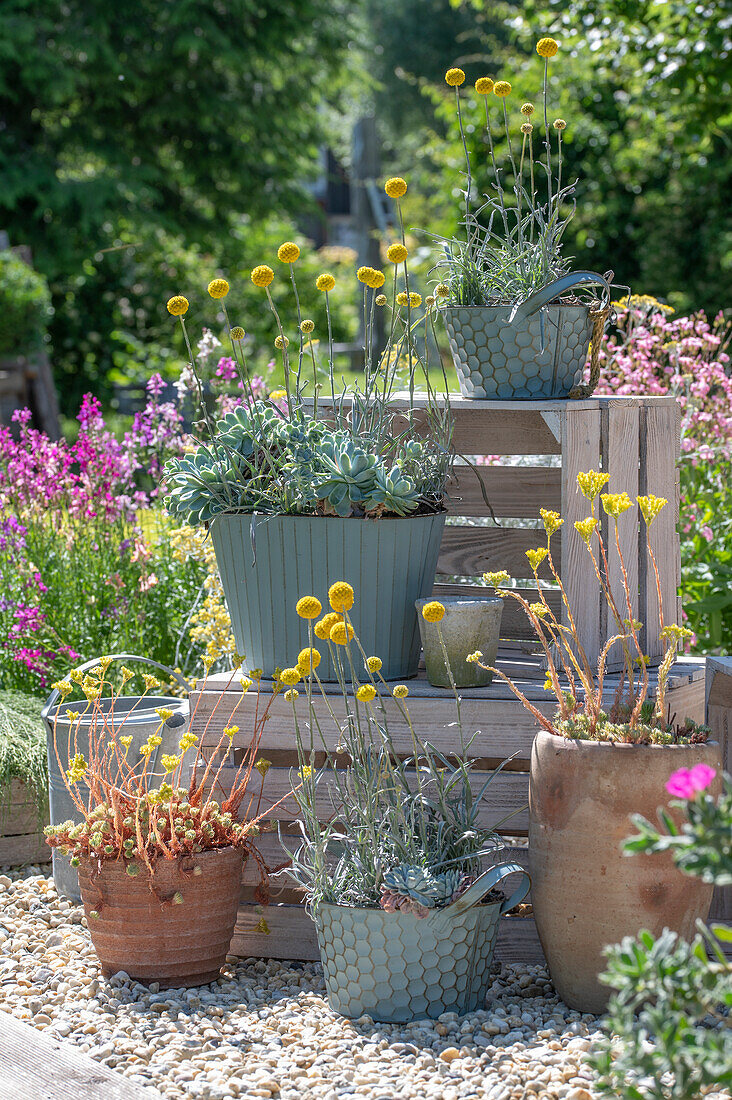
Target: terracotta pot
point(585, 892)
point(139, 929)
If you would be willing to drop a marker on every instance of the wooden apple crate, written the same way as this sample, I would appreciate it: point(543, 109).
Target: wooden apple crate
point(21, 827)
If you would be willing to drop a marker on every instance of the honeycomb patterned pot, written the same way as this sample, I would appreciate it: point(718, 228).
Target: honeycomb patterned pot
point(502, 361)
point(395, 967)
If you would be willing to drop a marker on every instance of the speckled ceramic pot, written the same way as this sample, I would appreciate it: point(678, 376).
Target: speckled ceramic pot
point(395, 967)
point(467, 625)
point(585, 892)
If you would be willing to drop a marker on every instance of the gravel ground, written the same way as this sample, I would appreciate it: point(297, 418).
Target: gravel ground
point(265, 1028)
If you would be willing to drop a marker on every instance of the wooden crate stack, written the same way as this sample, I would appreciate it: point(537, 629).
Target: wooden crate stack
point(636, 441)
point(21, 827)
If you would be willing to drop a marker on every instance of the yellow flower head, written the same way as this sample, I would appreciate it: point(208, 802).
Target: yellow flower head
point(307, 326)
point(395, 187)
point(262, 275)
point(126, 674)
point(341, 596)
point(454, 77)
point(380, 299)
point(552, 521)
point(496, 579)
point(433, 611)
point(401, 691)
point(177, 305)
point(237, 333)
point(413, 299)
point(164, 713)
point(246, 683)
point(371, 277)
point(547, 47)
point(373, 664)
point(341, 633)
point(63, 687)
point(484, 85)
point(539, 609)
point(308, 607)
point(650, 506)
point(325, 281)
point(675, 633)
point(290, 676)
point(616, 503)
point(306, 772)
point(429, 301)
point(281, 342)
point(473, 658)
point(229, 732)
point(526, 128)
point(74, 716)
point(218, 288)
point(585, 528)
point(292, 694)
point(263, 766)
point(527, 109)
point(125, 741)
point(536, 557)
point(150, 682)
point(442, 290)
point(187, 742)
point(308, 660)
point(397, 253)
point(502, 88)
point(77, 675)
point(366, 693)
point(288, 252)
point(278, 395)
point(591, 482)
point(170, 763)
point(560, 124)
point(326, 624)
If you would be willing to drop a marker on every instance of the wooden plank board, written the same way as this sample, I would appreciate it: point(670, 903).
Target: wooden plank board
point(35, 1066)
point(514, 492)
point(18, 850)
point(580, 452)
point(658, 475)
point(621, 457)
point(19, 814)
point(467, 551)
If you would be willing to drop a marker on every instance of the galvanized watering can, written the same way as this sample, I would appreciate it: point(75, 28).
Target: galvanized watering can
point(533, 351)
point(396, 967)
point(140, 720)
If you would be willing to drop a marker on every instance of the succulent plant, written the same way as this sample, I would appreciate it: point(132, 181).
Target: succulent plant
point(350, 476)
point(425, 887)
point(392, 492)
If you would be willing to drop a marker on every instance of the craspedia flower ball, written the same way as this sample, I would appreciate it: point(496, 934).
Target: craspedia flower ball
point(560, 124)
point(218, 288)
point(527, 109)
point(325, 281)
point(237, 333)
point(307, 326)
point(370, 277)
point(454, 77)
point(308, 659)
point(484, 85)
point(395, 187)
point(412, 299)
point(366, 693)
point(341, 633)
point(547, 47)
point(288, 252)
point(430, 300)
point(526, 128)
point(308, 607)
point(442, 290)
point(380, 299)
point(292, 694)
point(281, 342)
point(373, 664)
point(262, 275)
point(323, 628)
point(433, 611)
point(401, 691)
point(290, 676)
point(341, 596)
point(397, 253)
point(502, 88)
point(177, 305)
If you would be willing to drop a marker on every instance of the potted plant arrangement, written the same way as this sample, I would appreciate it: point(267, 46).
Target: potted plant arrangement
point(159, 862)
point(516, 328)
point(406, 921)
point(292, 491)
point(596, 762)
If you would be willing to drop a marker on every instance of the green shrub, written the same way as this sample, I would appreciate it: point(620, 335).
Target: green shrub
point(25, 306)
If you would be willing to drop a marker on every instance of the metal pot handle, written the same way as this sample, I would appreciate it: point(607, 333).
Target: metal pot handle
point(117, 657)
point(485, 883)
point(548, 293)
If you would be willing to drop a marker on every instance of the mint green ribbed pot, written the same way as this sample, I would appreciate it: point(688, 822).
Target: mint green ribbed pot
point(266, 567)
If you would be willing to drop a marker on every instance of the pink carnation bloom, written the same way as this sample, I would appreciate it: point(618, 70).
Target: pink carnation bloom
point(687, 782)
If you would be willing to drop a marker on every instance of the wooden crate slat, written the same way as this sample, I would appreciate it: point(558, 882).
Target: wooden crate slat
point(18, 812)
point(658, 476)
point(515, 492)
point(621, 442)
point(580, 452)
point(16, 850)
point(467, 551)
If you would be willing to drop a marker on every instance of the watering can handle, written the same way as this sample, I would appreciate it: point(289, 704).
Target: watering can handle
point(117, 657)
point(484, 883)
point(565, 282)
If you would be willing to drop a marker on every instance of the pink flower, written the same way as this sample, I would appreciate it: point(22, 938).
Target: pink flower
point(686, 783)
point(707, 532)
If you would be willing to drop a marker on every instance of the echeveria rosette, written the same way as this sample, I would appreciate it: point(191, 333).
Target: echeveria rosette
point(431, 889)
point(392, 492)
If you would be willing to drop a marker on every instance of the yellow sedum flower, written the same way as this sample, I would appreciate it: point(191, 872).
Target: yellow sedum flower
point(454, 77)
point(401, 691)
point(536, 557)
point(547, 47)
point(484, 85)
point(288, 252)
point(262, 765)
point(308, 660)
point(187, 741)
point(675, 633)
point(616, 503)
point(502, 88)
point(539, 609)
point(591, 482)
point(262, 275)
point(650, 506)
point(473, 658)
point(397, 253)
point(307, 326)
point(77, 768)
point(308, 607)
point(229, 731)
point(395, 187)
point(125, 742)
point(218, 288)
point(341, 633)
point(74, 716)
point(341, 596)
point(169, 762)
point(290, 676)
point(151, 682)
point(325, 281)
point(237, 333)
point(323, 628)
point(164, 713)
point(496, 579)
point(63, 687)
point(552, 521)
point(366, 693)
point(412, 299)
point(177, 305)
point(373, 664)
point(433, 611)
point(585, 528)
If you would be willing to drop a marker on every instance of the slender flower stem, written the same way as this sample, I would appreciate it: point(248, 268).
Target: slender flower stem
point(546, 131)
point(499, 185)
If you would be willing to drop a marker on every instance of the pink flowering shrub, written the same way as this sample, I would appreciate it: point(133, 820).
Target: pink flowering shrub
point(687, 782)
